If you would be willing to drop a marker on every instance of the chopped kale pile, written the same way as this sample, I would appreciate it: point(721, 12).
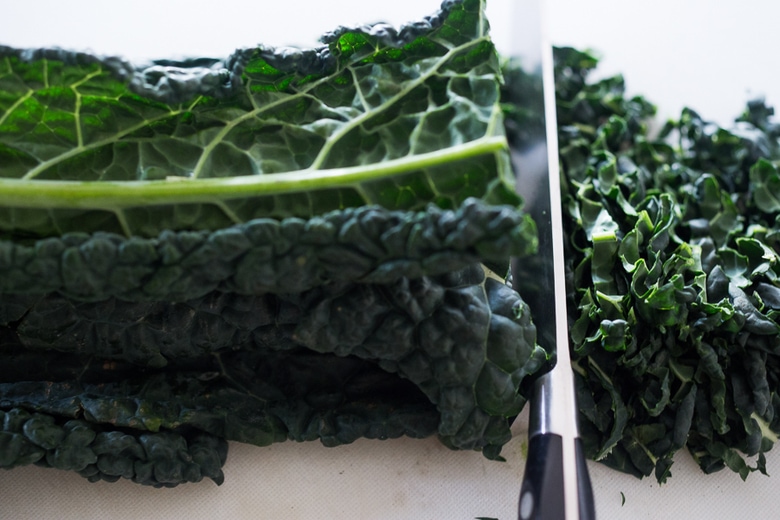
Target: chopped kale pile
point(673, 256)
point(283, 245)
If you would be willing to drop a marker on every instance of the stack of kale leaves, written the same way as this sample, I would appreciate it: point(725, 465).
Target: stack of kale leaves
point(289, 244)
point(673, 257)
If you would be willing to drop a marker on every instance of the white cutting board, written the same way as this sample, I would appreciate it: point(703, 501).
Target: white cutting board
point(401, 479)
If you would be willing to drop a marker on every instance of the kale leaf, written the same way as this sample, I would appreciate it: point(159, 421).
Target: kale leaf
point(163, 459)
point(366, 244)
point(374, 116)
point(313, 365)
point(282, 245)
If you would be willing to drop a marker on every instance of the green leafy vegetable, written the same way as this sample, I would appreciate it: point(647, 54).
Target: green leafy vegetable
point(372, 117)
point(367, 244)
point(160, 459)
point(673, 269)
point(464, 339)
point(282, 245)
point(312, 244)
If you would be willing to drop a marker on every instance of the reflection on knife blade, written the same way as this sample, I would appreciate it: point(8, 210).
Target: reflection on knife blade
point(556, 483)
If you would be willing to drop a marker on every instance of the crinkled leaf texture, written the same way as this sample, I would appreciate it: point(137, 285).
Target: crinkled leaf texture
point(673, 278)
point(322, 364)
point(286, 244)
point(369, 244)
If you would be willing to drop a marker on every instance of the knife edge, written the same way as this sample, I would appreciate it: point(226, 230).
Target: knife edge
point(556, 482)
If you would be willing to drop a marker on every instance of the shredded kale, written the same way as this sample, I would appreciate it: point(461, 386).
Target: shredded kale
point(672, 265)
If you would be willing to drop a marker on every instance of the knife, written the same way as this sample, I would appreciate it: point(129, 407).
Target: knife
point(556, 484)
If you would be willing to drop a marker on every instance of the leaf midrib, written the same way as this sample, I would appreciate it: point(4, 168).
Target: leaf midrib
point(114, 196)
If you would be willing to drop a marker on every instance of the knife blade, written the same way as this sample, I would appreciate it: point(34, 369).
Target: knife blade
point(556, 484)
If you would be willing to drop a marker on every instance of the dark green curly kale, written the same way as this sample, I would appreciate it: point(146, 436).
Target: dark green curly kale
point(673, 263)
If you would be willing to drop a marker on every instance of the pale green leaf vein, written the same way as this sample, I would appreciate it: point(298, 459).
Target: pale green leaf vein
point(115, 195)
point(77, 110)
point(33, 173)
point(255, 112)
point(16, 105)
point(403, 92)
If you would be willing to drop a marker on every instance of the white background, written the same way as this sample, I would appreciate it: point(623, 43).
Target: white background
point(707, 55)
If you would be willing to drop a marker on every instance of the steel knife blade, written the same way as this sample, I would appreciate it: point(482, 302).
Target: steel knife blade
point(556, 484)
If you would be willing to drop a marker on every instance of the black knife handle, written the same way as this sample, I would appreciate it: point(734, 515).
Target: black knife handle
point(541, 496)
